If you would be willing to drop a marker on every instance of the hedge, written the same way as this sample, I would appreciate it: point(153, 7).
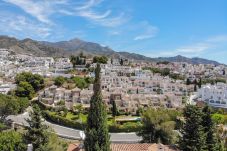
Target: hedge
point(62, 121)
point(126, 127)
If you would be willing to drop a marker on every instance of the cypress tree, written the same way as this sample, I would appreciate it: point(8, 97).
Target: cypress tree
point(36, 131)
point(188, 82)
point(193, 138)
point(195, 87)
point(114, 109)
point(97, 137)
point(212, 143)
point(200, 83)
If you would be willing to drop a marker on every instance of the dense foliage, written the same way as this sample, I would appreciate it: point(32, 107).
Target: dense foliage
point(35, 80)
point(219, 118)
point(12, 105)
point(36, 133)
point(12, 141)
point(163, 72)
point(82, 83)
point(24, 89)
point(73, 120)
point(28, 84)
point(115, 111)
point(193, 135)
point(158, 125)
point(199, 130)
point(97, 137)
point(78, 60)
point(100, 59)
point(208, 124)
point(59, 81)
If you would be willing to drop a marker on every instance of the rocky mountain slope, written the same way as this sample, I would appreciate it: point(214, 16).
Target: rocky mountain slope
point(75, 46)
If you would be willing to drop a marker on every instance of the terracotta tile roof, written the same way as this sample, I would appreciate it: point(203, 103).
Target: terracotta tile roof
point(73, 147)
point(130, 147)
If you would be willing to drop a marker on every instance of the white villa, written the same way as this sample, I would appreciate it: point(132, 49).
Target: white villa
point(214, 95)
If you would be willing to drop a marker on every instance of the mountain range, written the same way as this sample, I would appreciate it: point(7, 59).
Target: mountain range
point(75, 46)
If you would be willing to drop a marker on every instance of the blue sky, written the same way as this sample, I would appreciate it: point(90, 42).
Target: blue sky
point(193, 28)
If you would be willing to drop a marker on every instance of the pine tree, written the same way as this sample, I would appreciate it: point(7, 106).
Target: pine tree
point(97, 137)
point(193, 138)
point(212, 143)
point(36, 131)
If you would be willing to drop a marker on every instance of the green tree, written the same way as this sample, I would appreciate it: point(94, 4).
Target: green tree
point(22, 103)
point(200, 83)
point(80, 82)
point(8, 106)
point(100, 59)
point(195, 87)
point(188, 82)
point(11, 105)
point(193, 138)
point(73, 60)
point(24, 89)
point(165, 72)
point(121, 62)
point(55, 143)
point(212, 143)
point(35, 80)
point(12, 141)
point(59, 81)
point(36, 133)
point(157, 125)
point(97, 137)
point(78, 60)
point(114, 109)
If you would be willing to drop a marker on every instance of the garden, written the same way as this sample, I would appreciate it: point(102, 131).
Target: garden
point(79, 120)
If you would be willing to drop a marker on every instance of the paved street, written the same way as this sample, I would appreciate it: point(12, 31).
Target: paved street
point(73, 133)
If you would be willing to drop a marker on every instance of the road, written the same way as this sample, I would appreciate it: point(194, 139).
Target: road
point(75, 134)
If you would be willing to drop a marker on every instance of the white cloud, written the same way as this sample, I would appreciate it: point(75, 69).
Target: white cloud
point(219, 38)
point(13, 24)
point(88, 4)
point(113, 33)
point(193, 50)
point(196, 48)
point(38, 9)
point(149, 31)
point(94, 16)
point(113, 21)
point(42, 10)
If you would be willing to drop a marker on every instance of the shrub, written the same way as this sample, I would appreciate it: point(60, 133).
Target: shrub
point(72, 123)
point(59, 81)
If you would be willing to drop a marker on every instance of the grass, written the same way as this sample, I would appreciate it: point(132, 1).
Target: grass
point(2, 125)
point(71, 116)
point(83, 117)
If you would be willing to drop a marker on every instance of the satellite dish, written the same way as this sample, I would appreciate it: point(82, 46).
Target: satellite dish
point(82, 135)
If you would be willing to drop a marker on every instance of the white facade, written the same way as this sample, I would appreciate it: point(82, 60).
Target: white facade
point(214, 95)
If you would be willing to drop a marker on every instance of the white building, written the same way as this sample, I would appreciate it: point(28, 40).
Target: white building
point(214, 95)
